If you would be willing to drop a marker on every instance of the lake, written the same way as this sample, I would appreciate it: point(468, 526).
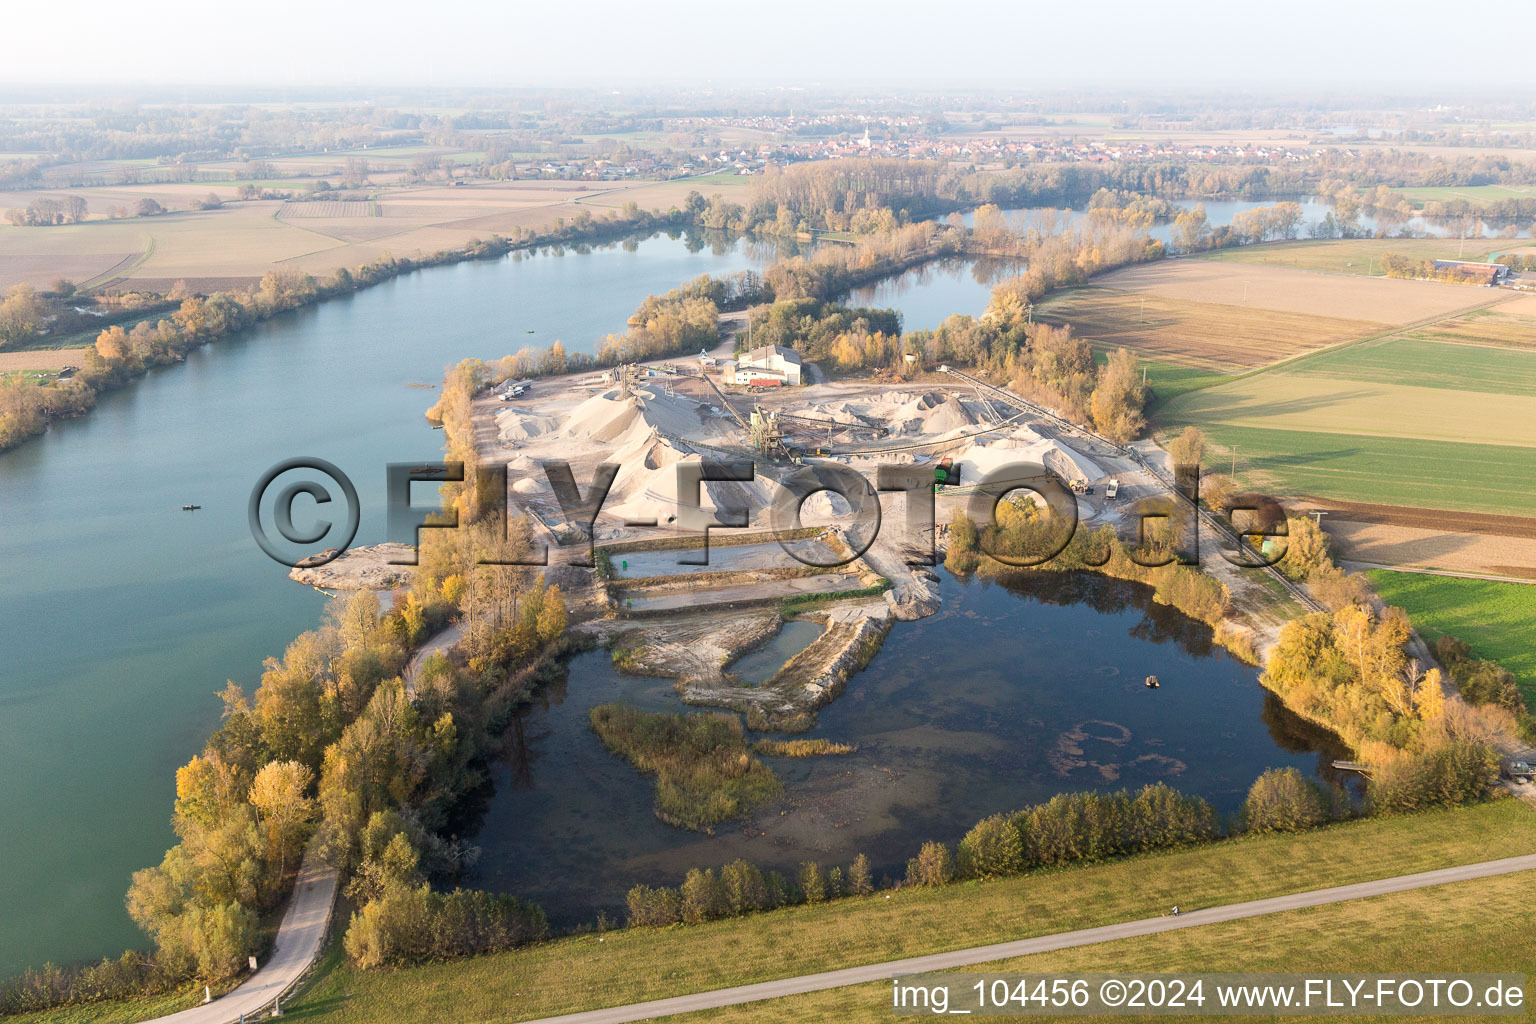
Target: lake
point(1016, 690)
point(125, 616)
point(1219, 213)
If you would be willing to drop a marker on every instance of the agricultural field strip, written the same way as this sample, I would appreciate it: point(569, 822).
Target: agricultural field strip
point(1343, 257)
point(1387, 301)
point(1364, 408)
point(1492, 616)
point(1428, 362)
point(1384, 470)
point(1194, 333)
point(1290, 362)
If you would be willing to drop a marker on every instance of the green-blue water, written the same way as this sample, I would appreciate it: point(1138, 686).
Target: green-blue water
point(123, 616)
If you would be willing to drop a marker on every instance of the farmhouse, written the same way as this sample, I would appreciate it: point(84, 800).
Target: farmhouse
point(769, 362)
point(1491, 273)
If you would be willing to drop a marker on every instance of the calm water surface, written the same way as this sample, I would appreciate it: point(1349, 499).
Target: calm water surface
point(1015, 691)
point(124, 615)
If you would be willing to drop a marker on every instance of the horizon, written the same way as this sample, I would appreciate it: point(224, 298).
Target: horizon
point(1189, 44)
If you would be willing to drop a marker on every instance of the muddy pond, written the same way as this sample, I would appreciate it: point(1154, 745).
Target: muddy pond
point(1015, 691)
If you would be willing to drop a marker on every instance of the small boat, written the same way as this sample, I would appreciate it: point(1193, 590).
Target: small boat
point(424, 470)
point(1153, 683)
point(190, 508)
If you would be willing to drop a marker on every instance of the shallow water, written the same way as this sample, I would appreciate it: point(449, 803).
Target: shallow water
point(1015, 691)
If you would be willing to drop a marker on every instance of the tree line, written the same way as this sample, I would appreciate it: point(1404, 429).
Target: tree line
point(1069, 829)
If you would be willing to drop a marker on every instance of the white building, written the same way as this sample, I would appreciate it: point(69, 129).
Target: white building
point(769, 362)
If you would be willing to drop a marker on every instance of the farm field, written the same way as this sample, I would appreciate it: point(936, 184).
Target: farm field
point(1384, 301)
point(630, 965)
point(1417, 362)
point(1508, 323)
point(662, 195)
point(236, 244)
point(1475, 194)
point(1382, 470)
point(1354, 256)
point(1206, 335)
point(1342, 405)
point(41, 359)
point(1170, 380)
point(1495, 618)
point(1454, 547)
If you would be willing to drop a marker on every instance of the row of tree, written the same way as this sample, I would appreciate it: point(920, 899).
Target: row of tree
point(1070, 828)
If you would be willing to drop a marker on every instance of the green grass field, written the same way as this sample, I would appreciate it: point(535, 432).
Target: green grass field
point(1385, 470)
point(1475, 194)
point(1170, 380)
point(1427, 364)
point(1465, 927)
point(1360, 256)
point(590, 971)
point(1495, 618)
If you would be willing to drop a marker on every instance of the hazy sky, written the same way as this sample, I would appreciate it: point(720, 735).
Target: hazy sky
point(1027, 44)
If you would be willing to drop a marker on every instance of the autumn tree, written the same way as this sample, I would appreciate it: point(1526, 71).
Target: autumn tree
point(21, 313)
point(1120, 397)
point(1283, 800)
point(861, 880)
point(284, 809)
point(1188, 448)
point(552, 615)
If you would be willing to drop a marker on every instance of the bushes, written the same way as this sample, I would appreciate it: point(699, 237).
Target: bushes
point(802, 748)
point(991, 849)
point(1445, 774)
point(654, 907)
point(410, 923)
point(704, 773)
point(933, 865)
point(800, 602)
point(1283, 800)
point(130, 976)
point(1096, 826)
point(1071, 827)
point(742, 888)
point(1480, 681)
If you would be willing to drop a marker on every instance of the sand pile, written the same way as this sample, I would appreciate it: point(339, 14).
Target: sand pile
point(631, 431)
point(928, 413)
point(978, 460)
point(517, 425)
point(603, 417)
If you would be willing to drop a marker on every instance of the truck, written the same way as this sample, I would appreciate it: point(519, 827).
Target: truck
point(1517, 769)
point(946, 473)
point(1112, 489)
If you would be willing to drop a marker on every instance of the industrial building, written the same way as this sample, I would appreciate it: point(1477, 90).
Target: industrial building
point(770, 365)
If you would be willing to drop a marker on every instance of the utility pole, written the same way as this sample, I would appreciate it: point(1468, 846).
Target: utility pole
point(1234, 463)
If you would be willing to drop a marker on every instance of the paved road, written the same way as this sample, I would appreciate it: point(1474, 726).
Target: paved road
point(299, 940)
point(1041, 944)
